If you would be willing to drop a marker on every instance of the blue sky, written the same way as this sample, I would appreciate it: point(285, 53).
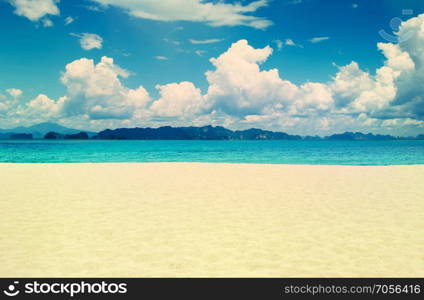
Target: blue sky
point(164, 45)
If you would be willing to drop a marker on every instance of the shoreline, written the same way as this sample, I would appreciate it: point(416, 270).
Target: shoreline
point(211, 220)
point(198, 163)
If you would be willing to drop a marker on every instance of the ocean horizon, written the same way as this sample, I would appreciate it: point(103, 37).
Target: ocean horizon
point(323, 152)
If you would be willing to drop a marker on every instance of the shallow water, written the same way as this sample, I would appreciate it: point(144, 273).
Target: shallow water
point(266, 152)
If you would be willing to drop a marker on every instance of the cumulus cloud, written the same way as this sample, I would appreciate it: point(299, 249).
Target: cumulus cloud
point(15, 111)
point(42, 105)
point(406, 59)
point(179, 100)
point(313, 98)
point(6, 105)
point(216, 13)
point(395, 91)
point(89, 41)
point(35, 10)
point(238, 86)
point(349, 83)
point(96, 90)
point(354, 98)
point(242, 93)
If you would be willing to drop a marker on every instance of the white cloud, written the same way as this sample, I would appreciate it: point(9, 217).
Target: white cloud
point(47, 22)
point(43, 106)
point(96, 8)
point(39, 109)
point(15, 93)
point(179, 100)
point(96, 90)
point(352, 99)
point(313, 98)
point(279, 44)
point(89, 41)
point(238, 86)
point(69, 20)
point(35, 10)
point(396, 90)
point(289, 42)
point(7, 105)
point(349, 83)
point(405, 65)
point(212, 13)
point(319, 39)
point(161, 57)
point(200, 52)
point(241, 93)
point(208, 41)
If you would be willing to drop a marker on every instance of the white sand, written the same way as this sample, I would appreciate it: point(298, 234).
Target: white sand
point(183, 219)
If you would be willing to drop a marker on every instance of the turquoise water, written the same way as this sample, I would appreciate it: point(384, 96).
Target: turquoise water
point(267, 152)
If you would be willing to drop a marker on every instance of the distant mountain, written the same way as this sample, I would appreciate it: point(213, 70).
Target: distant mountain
point(221, 133)
point(40, 130)
point(57, 136)
point(259, 134)
point(192, 133)
point(56, 131)
point(359, 136)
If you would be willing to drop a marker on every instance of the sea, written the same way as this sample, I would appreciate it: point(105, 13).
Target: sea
point(405, 152)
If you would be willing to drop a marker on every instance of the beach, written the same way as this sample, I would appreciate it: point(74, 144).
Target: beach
point(211, 220)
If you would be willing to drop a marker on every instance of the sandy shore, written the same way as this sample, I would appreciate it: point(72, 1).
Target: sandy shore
point(189, 219)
